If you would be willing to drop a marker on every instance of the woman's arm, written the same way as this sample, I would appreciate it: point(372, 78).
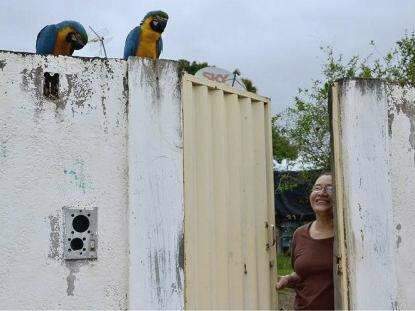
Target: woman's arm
point(290, 280)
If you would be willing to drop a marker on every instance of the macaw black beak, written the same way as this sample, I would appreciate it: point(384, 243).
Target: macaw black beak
point(159, 25)
point(76, 40)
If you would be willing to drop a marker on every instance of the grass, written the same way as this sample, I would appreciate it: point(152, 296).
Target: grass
point(284, 264)
point(286, 295)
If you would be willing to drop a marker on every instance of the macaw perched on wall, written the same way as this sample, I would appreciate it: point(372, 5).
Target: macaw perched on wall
point(145, 40)
point(61, 39)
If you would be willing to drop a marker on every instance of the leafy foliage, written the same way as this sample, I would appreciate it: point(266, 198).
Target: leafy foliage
point(281, 147)
point(307, 127)
point(191, 67)
point(250, 87)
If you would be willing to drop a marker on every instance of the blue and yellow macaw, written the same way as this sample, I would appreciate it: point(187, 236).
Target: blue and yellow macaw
point(61, 39)
point(145, 40)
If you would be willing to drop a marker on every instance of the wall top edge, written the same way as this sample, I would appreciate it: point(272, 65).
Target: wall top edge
point(83, 58)
point(342, 81)
point(185, 76)
point(224, 87)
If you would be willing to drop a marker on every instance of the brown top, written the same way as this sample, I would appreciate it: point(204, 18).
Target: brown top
point(312, 260)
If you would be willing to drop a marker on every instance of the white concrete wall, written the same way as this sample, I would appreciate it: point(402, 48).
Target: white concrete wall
point(376, 135)
point(112, 140)
point(156, 186)
point(67, 152)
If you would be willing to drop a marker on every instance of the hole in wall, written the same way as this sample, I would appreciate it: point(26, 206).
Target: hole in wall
point(80, 223)
point(51, 85)
point(77, 244)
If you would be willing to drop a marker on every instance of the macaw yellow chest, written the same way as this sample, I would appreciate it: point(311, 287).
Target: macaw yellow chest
point(148, 46)
point(62, 47)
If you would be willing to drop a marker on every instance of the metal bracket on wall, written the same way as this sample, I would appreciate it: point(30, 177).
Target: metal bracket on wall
point(80, 236)
point(274, 239)
point(339, 265)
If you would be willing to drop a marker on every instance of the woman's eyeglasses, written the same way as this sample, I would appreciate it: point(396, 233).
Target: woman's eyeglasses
point(327, 188)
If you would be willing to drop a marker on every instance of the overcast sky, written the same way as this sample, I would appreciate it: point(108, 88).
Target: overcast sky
point(274, 43)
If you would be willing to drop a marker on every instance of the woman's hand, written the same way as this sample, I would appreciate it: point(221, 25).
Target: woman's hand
point(287, 280)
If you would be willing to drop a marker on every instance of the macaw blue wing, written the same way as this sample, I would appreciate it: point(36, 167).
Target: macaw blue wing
point(131, 42)
point(46, 40)
point(159, 47)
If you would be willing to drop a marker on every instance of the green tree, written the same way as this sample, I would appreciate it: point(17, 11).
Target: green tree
point(307, 121)
point(191, 67)
point(249, 86)
point(281, 147)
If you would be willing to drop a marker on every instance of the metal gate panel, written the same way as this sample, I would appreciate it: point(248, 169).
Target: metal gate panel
point(229, 215)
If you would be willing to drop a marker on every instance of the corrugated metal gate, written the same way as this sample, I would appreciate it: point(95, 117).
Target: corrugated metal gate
point(229, 203)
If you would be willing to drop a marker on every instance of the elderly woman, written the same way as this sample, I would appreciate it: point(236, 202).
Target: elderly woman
point(312, 253)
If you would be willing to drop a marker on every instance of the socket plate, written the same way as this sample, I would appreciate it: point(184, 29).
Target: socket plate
point(80, 233)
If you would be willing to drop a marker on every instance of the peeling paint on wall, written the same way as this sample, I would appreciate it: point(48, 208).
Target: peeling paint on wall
point(372, 86)
point(3, 149)
point(32, 82)
point(82, 87)
point(395, 305)
point(157, 277)
point(125, 92)
point(104, 112)
point(55, 229)
point(400, 102)
point(180, 260)
point(54, 153)
point(399, 238)
point(156, 186)
point(150, 77)
point(377, 151)
point(408, 108)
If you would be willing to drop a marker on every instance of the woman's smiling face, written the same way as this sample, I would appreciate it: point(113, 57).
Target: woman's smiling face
point(321, 195)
